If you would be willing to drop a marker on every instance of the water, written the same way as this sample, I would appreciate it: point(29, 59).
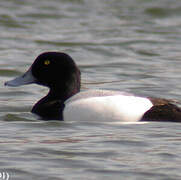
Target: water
point(127, 45)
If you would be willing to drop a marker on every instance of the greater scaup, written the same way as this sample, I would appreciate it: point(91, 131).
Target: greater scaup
point(64, 101)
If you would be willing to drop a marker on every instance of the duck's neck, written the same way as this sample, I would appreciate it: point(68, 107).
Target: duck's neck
point(51, 106)
point(62, 94)
point(67, 88)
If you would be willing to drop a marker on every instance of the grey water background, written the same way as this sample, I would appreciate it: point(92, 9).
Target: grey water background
point(126, 45)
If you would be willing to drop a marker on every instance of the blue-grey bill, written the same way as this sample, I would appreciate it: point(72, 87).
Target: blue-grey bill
point(26, 78)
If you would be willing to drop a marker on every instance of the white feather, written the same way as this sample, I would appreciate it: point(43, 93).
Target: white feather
point(123, 108)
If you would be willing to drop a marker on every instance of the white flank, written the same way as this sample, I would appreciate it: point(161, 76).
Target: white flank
point(107, 108)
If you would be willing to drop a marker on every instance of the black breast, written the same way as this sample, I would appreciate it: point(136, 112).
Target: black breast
point(49, 110)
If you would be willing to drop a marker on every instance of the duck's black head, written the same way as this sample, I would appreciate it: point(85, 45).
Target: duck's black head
point(55, 70)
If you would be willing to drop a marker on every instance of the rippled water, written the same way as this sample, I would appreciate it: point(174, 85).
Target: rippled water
point(128, 45)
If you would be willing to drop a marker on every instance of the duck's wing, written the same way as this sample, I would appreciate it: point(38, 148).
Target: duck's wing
point(102, 105)
point(96, 93)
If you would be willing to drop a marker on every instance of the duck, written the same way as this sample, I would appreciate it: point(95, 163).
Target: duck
point(65, 100)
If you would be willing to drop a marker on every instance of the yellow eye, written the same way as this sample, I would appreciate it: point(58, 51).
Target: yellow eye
point(46, 62)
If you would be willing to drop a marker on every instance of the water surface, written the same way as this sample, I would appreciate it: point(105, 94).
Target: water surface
point(127, 45)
